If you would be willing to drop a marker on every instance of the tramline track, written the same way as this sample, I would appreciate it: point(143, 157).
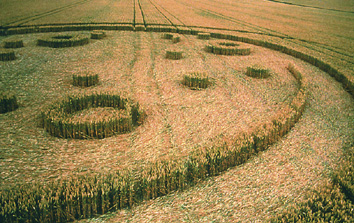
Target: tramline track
point(20, 22)
point(171, 18)
point(142, 12)
point(325, 46)
point(159, 6)
point(152, 15)
point(174, 20)
point(230, 19)
point(270, 32)
point(274, 33)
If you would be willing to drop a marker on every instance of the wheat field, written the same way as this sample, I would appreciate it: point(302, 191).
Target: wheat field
point(177, 120)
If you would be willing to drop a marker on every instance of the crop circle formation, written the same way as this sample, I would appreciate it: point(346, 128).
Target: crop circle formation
point(63, 40)
point(59, 119)
point(77, 116)
point(179, 118)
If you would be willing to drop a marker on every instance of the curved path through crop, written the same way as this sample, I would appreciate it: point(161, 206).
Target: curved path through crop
point(134, 63)
point(278, 176)
point(275, 178)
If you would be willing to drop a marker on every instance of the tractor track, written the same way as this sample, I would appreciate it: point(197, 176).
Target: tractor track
point(134, 11)
point(161, 12)
point(259, 30)
point(270, 32)
point(311, 45)
point(142, 12)
point(237, 21)
point(162, 8)
point(168, 15)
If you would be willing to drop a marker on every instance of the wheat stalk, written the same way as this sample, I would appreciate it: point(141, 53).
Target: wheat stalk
point(98, 34)
point(196, 80)
point(63, 40)
point(13, 43)
point(258, 71)
point(8, 102)
point(204, 36)
point(174, 54)
point(7, 55)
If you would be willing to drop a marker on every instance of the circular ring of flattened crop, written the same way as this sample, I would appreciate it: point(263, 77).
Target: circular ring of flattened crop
point(227, 48)
point(7, 54)
point(8, 102)
point(58, 119)
point(64, 40)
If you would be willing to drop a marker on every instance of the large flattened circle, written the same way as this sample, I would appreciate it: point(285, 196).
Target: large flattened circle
point(178, 118)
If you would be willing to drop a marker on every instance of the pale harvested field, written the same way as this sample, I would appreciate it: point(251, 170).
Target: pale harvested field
point(178, 118)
